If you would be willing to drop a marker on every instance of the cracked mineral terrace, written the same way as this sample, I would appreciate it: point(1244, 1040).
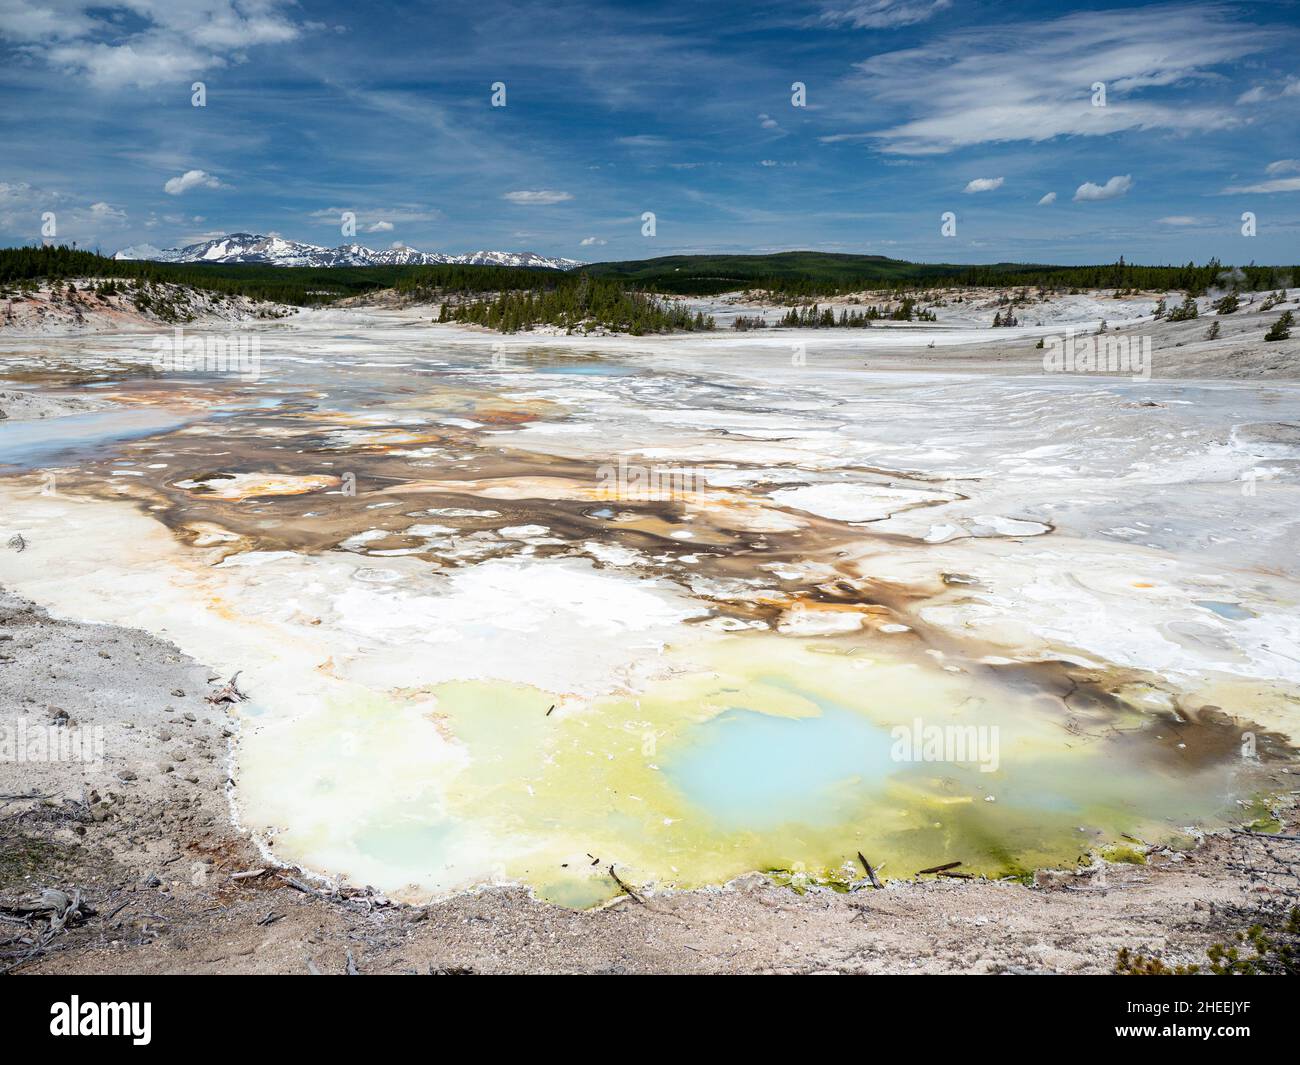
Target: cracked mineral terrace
point(478, 659)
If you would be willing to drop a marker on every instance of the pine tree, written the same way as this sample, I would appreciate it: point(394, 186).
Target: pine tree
point(1281, 329)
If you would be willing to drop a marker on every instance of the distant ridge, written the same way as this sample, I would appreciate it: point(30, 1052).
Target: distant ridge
point(277, 251)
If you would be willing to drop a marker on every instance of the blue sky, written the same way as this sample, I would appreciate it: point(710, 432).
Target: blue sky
point(913, 108)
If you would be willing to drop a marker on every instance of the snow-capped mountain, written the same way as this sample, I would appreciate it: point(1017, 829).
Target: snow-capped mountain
point(276, 251)
point(514, 258)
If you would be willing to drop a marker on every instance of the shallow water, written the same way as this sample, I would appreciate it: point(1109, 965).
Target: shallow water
point(23, 443)
point(472, 662)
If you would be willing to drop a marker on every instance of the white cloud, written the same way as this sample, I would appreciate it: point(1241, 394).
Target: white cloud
point(107, 212)
point(1113, 189)
point(975, 87)
point(160, 42)
point(537, 196)
point(767, 162)
point(1291, 184)
point(643, 140)
point(983, 184)
point(879, 14)
point(1050, 198)
point(768, 122)
point(14, 193)
point(1276, 184)
point(48, 21)
point(1180, 220)
point(1258, 94)
point(380, 227)
point(22, 204)
point(191, 179)
point(390, 214)
point(587, 242)
point(143, 64)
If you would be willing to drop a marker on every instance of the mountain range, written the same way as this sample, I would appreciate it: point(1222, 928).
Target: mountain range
point(276, 251)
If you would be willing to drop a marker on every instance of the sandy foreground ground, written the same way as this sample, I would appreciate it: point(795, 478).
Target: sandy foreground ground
point(138, 829)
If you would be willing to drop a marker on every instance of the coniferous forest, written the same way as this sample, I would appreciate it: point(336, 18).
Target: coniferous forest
point(627, 296)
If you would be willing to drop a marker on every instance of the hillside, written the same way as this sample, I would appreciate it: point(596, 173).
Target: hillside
point(698, 274)
point(811, 273)
point(300, 285)
point(791, 275)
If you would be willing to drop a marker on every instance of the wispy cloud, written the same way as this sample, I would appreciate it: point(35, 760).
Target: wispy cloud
point(22, 206)
point(377, 218)
point(1280, 90)
point(879, 14)
point(972, 87)
point(1047, 200)
point(1274, 184)
point(983, 184)
point(1291, 184)
point(107, 212)
point(537, 196)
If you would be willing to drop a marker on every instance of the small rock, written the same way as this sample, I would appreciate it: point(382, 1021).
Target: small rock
point(178, 693)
